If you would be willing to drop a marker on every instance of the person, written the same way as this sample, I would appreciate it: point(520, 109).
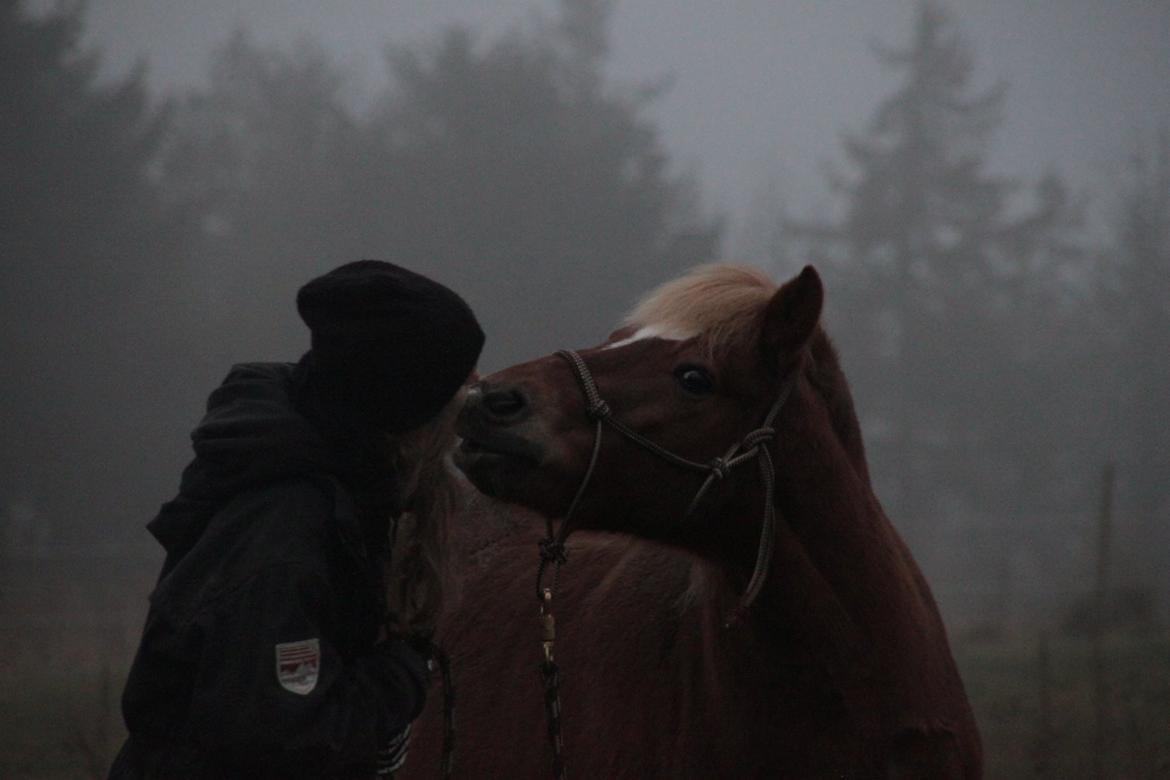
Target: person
point(303, 551)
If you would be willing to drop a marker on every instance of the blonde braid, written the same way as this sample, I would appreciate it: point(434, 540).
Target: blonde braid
point(417, 576)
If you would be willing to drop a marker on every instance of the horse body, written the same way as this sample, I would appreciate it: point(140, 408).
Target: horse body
point(654, 685)
point(841, 667)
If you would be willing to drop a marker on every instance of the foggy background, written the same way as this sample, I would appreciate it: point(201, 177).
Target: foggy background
point(985, 187)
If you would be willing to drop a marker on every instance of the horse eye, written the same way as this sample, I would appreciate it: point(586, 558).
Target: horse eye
point(694, 380)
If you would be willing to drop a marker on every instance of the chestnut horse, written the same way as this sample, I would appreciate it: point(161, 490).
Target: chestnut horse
point(839, 668)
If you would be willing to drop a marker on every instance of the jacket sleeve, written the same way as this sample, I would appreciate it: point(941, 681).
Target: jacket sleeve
point(273, 691)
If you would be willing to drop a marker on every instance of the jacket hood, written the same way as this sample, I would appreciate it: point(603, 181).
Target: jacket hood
point(251, 435)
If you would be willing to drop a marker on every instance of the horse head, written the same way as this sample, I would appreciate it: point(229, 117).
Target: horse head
point(695, 369)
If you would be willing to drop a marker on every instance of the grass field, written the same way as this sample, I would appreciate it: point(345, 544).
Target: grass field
point(60, 720)
point(1029, 732)
point(58, 725)
point(64, 669)
point(68, 630)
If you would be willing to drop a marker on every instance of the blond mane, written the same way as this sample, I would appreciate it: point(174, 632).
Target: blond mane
point(719, 303)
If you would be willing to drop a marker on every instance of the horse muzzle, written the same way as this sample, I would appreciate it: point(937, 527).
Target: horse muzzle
point(491, 427)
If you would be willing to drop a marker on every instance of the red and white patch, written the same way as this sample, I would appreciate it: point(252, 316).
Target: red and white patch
point(297, 665)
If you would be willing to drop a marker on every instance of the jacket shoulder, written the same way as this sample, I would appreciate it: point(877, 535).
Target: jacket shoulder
point(294, 521)
point(289, 521)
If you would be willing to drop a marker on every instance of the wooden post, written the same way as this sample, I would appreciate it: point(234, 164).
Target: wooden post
point(1104, 532)
point(1043, 755)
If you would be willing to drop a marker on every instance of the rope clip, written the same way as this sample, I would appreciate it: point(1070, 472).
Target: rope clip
point(548, 625)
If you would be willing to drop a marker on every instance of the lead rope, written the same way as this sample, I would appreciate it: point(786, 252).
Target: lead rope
point(552, 685)
point(767, 543)
point(552, 552)
point(444, 663)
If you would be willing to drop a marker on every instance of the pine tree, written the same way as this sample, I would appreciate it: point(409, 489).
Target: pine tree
point(510, 169)
point(271, 157)
point(933, 256)
point(89, 283)
point(538, 182)
point(1136, 295)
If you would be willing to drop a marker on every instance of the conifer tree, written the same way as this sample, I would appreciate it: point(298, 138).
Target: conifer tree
point(270, 156)
point(1136, 293)
point(90, 283)
point(537, 181)
point(933, 254)
point(511, 169)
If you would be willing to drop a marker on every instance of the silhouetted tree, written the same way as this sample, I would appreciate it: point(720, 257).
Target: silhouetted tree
point(269, 156)
point(938, 268)
point(540, 184)
point(1136, 294)
point(90, 282)
point(510, 170)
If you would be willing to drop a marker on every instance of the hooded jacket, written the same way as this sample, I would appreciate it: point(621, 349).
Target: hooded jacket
point(260, 656)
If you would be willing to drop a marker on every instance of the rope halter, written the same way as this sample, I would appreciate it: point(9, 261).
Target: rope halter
point(753, 446)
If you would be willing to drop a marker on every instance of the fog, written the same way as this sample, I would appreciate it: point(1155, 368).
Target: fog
point(984, 186)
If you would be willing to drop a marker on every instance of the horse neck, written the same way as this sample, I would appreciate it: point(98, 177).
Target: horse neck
point(839, 567)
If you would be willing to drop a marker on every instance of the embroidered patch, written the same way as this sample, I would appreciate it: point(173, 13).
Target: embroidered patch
point(297, 664)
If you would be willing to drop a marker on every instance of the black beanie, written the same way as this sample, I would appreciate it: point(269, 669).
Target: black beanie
point(389, 347)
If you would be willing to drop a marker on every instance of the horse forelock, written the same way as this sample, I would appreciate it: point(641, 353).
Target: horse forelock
point(720, 304)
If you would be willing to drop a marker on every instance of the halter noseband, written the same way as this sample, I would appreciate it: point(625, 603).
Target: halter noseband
point(753, 446)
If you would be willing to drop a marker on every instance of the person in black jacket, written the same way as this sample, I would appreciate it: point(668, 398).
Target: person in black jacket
point(279, 637)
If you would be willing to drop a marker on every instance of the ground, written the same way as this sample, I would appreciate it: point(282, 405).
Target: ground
point(65, 667)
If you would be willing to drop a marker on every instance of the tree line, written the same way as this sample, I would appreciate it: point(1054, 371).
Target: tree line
point(146, 247)
point(1003, 356)
point(1000, 354)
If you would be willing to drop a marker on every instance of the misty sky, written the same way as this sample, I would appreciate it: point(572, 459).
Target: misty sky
point(761, 88)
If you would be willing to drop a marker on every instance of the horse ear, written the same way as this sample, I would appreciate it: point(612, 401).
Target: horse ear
point(792, 315)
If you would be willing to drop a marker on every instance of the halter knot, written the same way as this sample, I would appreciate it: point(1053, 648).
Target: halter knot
point(598, 410)
point(720, 467)
point(758, 436)
point(552, 551)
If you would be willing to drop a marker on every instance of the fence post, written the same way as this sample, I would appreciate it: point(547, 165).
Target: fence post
point(1104, 532)
point(1044, 707)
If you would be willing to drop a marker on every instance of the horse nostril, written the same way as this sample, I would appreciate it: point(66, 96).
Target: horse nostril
point(505, 404)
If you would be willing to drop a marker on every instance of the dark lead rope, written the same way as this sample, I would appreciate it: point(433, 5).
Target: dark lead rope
point(448, 709)
point(443, 661)
point(753, 446)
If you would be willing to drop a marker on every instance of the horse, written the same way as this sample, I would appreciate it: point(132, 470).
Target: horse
point(735, 602)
